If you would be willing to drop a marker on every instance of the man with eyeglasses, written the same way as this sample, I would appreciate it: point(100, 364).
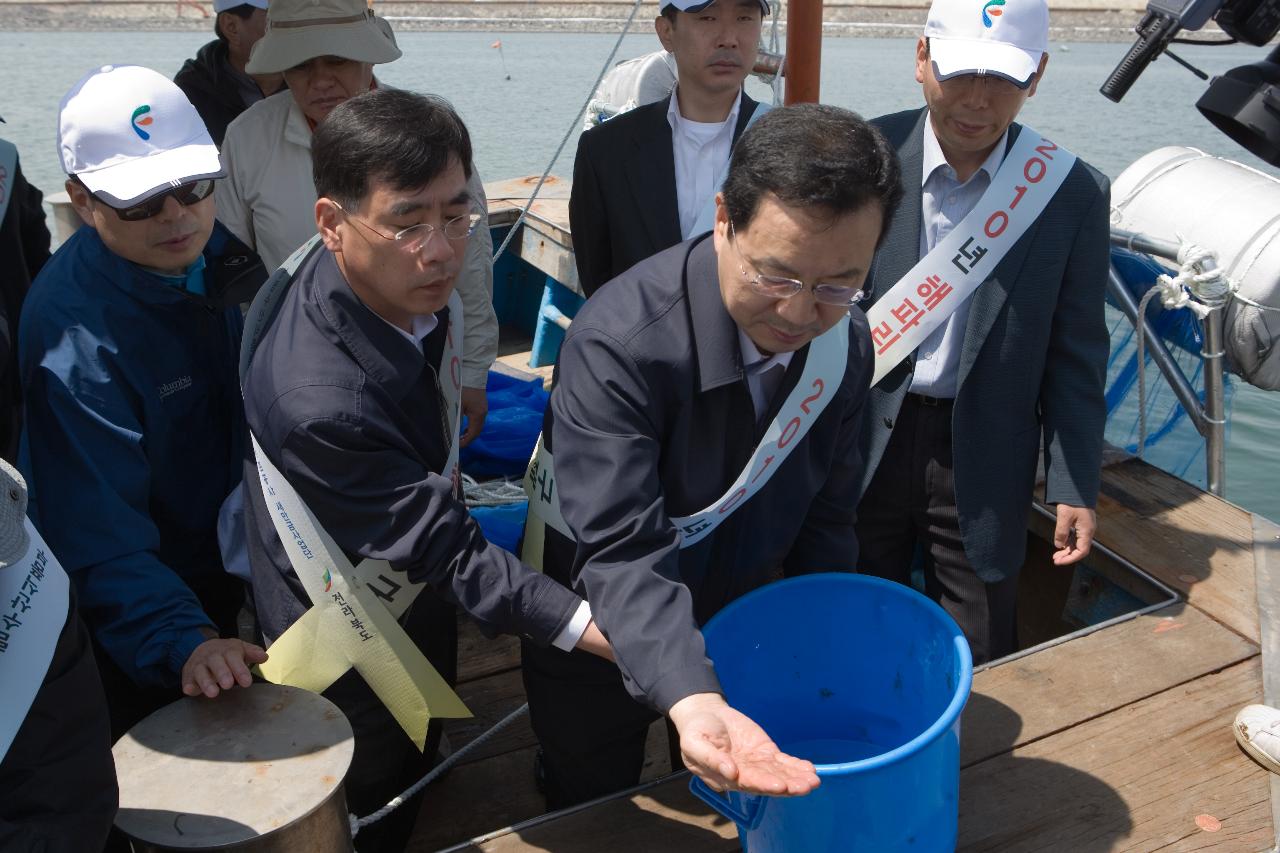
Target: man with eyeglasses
point(1002, 239)
point(134, 433)
point(350, 388)
point(327, 50)
point(701, 442)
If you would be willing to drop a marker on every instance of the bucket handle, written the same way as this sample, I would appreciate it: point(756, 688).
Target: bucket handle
point(748, 818)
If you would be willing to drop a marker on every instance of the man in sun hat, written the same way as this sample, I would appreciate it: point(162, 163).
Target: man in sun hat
point(57, 779)
point(647, 179)
point(127, 350)
point(215, 79)
point(995, 341)
point(326, 50)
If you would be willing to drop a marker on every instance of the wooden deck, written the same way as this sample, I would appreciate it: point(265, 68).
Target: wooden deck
point(1116, 740)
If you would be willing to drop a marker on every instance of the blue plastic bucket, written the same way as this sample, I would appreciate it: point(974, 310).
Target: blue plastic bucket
point(867, 679)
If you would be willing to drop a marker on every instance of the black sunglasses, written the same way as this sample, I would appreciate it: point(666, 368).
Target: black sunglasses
point(185, 195)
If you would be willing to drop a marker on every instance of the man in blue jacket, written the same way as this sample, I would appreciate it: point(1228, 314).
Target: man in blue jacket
point(127, 350)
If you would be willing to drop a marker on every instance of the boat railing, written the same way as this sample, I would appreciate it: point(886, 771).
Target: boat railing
point(1208, 415)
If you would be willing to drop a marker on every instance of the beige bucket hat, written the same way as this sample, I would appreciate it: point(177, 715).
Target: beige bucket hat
point(299, 30)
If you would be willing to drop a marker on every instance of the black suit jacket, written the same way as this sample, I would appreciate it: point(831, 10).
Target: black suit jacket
point(623, 206)
point(1033, 362)
point(651, 419)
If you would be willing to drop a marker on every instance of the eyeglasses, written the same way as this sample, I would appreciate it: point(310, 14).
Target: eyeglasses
point(415, 238)
point(186, 195)
point(779, 287)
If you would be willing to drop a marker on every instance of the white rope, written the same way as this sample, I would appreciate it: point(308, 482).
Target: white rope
point(776, 84)
point(1195, 288)
point(493, 492)
point(358, 824)
point(608, 63)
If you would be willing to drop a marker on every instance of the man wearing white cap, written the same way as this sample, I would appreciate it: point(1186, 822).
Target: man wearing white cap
point(215, 80)
point(987, 314)
point(646, 180)
point(326, 50)
point(135, 429)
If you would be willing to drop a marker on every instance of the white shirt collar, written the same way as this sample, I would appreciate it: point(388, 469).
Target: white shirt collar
point(755, 360)
point(423, 325)
point(677, 121)
point(934, 158)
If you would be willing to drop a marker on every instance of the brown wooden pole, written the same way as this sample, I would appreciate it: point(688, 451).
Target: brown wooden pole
point(804, 50)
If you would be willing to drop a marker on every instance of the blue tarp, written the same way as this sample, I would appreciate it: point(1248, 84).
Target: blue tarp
point(503, 449)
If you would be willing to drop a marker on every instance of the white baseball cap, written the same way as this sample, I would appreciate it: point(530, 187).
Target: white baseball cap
point(698, 5)
point(1002, 37)
point(224, 5)
point(128, 133)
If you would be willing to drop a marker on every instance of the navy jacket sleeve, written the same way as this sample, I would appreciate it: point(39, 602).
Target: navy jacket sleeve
point(84, 443)
point(628, 551)
point(378, 502)
point(588, 221)
point(1072, 402)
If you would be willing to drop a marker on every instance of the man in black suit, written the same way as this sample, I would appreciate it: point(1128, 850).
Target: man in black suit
point(683, 386)
point(954, 429)
point(646, 180)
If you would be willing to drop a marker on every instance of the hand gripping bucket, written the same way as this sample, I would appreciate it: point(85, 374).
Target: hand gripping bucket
point(867, 679)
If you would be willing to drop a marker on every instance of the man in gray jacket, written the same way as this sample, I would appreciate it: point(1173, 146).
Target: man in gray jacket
point(953, 431)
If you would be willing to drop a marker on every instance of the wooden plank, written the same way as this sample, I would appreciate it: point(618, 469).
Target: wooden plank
point(1032, 697)
point(1135, 779)
point(550, 212)
point(1194, 542)
point(474, 799)
point(490, 699)
point(479, 656)
point(665, 817)
point(1266, 562)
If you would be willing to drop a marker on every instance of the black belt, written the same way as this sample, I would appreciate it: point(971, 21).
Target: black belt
point(932, 402)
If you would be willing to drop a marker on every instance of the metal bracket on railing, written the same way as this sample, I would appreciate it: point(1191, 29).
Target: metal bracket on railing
point(1208, 416)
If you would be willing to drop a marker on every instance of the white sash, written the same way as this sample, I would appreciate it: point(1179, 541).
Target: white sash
point(8, 174)
point(33, 611)
point(345, 627)
point(941, 281)
point(707, 217)
point(823, 372)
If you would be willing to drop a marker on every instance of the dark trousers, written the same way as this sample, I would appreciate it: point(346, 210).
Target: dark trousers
point(591, 731)
point(910, 505)
point(58, 781)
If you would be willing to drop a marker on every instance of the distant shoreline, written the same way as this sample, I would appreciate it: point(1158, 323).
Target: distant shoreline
point(1086, 20)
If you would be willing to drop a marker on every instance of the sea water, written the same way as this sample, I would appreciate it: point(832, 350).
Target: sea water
point(517, 124)
point(834, 750)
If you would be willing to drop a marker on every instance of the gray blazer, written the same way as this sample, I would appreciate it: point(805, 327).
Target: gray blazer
point(1033, 363)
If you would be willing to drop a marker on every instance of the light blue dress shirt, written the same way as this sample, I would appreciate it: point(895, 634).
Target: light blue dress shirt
point(944, 202)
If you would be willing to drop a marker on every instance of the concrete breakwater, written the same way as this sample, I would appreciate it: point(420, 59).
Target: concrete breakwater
point(1072, 20)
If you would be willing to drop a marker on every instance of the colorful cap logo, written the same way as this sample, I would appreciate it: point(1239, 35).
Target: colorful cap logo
point(991, 10)
point(141, 119)
point(328, 581)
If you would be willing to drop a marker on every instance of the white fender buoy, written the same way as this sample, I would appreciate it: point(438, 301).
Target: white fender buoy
point(1183, 194)
point(632, 83)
